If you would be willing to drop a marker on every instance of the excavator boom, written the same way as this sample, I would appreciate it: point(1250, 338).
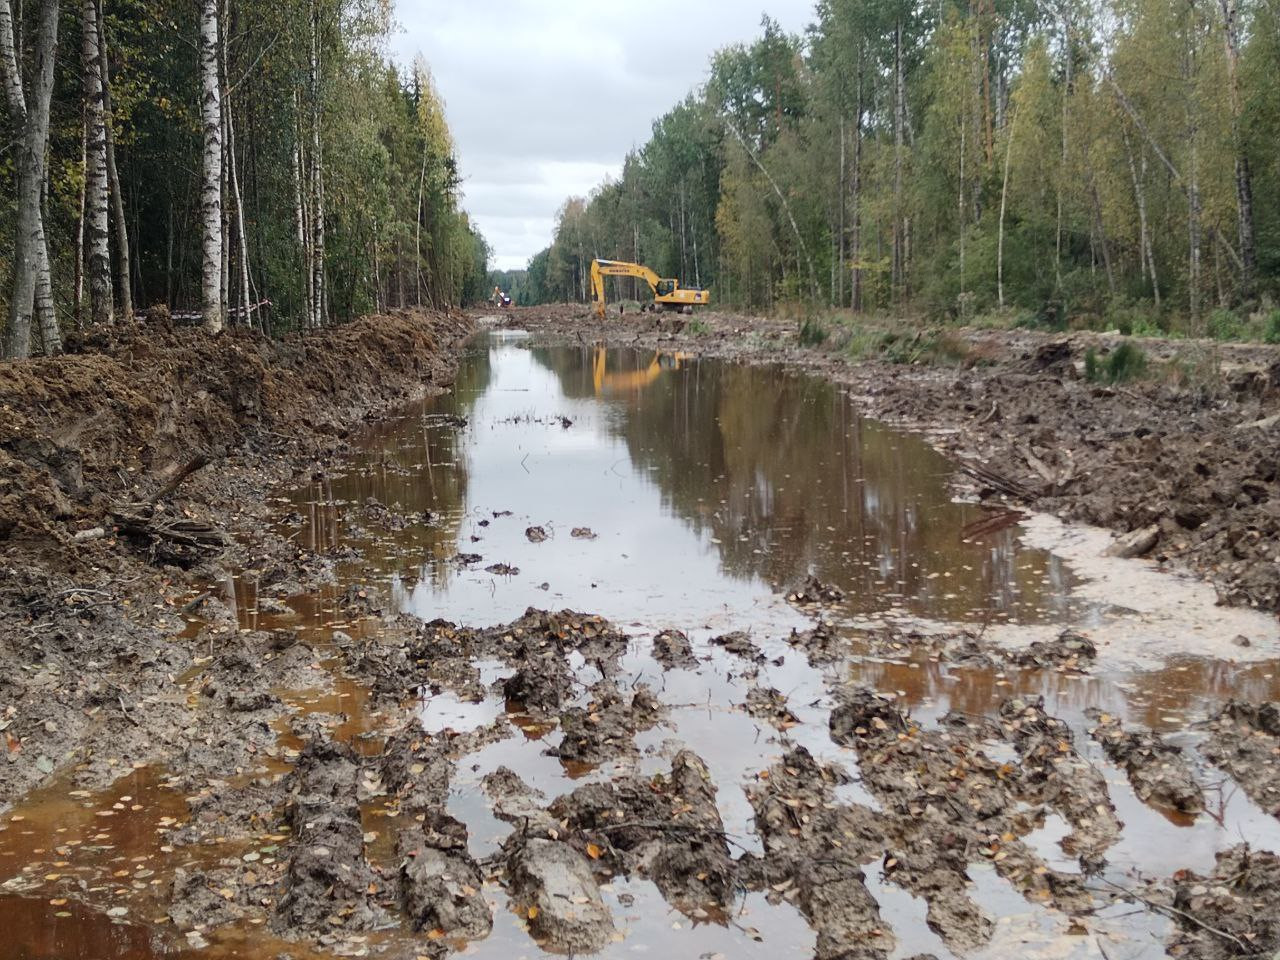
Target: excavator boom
point(667, 294)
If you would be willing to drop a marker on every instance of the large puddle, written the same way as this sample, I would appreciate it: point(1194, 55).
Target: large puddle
point(663, 492)
point(707, 487)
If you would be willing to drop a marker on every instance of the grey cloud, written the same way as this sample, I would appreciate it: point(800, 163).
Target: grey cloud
point(545, 100)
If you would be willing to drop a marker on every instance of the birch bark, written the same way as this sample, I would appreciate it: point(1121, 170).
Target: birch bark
point(32, 290)
point(212, 306)
point(97, 236)
point(113, 175)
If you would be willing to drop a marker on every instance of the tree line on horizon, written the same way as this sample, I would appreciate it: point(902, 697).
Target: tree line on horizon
point(1113, 159)
point(241, 162)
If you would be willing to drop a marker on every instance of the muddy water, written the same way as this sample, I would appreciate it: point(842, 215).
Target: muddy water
point(707, 486)
point(668, 493)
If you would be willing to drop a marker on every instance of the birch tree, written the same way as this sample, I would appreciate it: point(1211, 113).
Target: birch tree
point(212, 307)
point(113, 173)
point(31, 281)
point(97, 237)
point(318, 303)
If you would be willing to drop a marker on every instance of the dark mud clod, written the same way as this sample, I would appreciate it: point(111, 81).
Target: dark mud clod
point(1156, 768)
point(329, 879)
point(440, 884)
point(1244, 740)
point(672, 649)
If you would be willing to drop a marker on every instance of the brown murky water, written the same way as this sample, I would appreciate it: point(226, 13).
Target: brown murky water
point(708, 488)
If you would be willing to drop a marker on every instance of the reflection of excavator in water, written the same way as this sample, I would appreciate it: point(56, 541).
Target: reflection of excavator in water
point(631, 381)
point(667, 294)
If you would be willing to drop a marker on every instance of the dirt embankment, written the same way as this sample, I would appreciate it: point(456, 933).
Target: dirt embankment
point(1187, 458)
point(103, 539)
point(118, 418)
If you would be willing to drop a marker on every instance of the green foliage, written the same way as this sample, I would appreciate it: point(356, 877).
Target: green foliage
point(1126, 362)
point(813, 333)
point(1271, 333)
point(1225, 325)
point(898, 342)
point(1132, 319)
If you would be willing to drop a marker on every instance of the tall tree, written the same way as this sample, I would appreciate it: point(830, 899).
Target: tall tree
point(113, 174)
point(31, 259)
point(212, 307)
point(98, 241)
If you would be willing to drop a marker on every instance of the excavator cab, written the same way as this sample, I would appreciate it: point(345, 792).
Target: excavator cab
point(666, 288)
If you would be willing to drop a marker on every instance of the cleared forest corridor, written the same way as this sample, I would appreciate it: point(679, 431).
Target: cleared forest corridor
point(543, 480)
point(766, 557)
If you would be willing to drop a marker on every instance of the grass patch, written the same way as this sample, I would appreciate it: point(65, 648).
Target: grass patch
point(813, 333)
point(1126, 362)
point(929, 347)
point(1271, 333)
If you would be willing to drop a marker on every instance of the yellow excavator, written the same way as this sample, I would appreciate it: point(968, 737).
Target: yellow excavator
point(667, 294)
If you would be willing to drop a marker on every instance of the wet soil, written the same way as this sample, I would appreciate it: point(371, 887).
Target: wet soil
point(820, 709)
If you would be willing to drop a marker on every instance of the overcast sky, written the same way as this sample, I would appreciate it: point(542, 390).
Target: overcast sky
point(545, 97)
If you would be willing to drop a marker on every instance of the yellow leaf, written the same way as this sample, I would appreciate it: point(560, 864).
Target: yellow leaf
point(436, 934)
point(532, 913)
point(593, 851)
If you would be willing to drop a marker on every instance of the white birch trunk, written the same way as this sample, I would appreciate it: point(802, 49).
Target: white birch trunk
point(212, 305)
point(242, 241)
point(32, 289)
point(113, 176)
point(318, 305)
point(98, 241)
point(303, 230)
point(78, 291)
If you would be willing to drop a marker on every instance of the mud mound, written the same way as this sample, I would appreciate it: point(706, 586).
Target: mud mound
point(329, 880)
point(1156, 768)
point(667, 828)
point(1244, 740)
point(1231, 914)
point(1060, 778)
point(439, 882)
point(121, 414)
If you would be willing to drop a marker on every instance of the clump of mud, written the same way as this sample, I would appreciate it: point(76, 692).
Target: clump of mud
point(1157, 769)
point(1231, 913)
point(440, 884)
point(1060, 778)
point(329, 878)
point(666, 828)
point(1244, 740)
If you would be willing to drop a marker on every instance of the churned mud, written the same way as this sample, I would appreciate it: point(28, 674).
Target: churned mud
point(696, 661)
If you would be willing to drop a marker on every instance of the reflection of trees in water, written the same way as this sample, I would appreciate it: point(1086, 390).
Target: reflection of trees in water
point(412, 464)
point(784, 473)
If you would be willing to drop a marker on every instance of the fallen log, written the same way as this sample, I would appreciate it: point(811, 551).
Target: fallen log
point(998, 482)
point(179, 541)
point(1136, 544)
point(192, 466)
